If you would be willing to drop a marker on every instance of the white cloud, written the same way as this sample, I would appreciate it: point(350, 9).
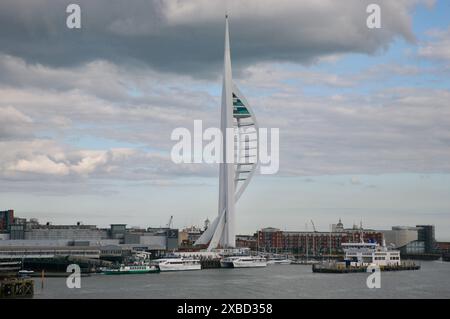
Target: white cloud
point(437, 48)
point(9, 114)
point(13, 123)
point(167, 35)
point(40, 164)
point(397, 129)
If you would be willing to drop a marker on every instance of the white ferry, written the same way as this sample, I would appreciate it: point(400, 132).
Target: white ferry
point(243, 262)
point(131, 269)
point(279, 261)
point(365, 254)
point(178, 264)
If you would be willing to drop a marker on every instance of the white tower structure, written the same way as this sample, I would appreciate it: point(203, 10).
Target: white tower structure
point(235, 174)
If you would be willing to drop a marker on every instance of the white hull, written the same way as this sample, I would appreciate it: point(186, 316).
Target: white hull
point(279, 262)
point(226, 264)
point(179, 267)
point(243, 262)
point(178, 264)
point(246, 264)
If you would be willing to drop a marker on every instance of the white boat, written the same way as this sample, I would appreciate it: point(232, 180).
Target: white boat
point(25, 273)
point(364, 254)
point(279, 261)
point(243, 262)
point(131, 269)
point(178, 264)
point(305, 262)
point(227, 262)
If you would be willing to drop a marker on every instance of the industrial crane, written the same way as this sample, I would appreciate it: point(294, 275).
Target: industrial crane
point(314, 227)
point(169, 224)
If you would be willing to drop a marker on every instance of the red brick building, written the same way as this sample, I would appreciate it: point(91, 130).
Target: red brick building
point(246, 241)
point(311, 243)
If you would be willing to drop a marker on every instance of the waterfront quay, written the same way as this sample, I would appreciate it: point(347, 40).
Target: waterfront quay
point(11, 286)
point(52, 248)
point(342, 268)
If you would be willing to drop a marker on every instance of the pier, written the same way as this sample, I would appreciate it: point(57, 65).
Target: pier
point(10, 285)
point(16, 288)
point(341, 268)
point(210, 263)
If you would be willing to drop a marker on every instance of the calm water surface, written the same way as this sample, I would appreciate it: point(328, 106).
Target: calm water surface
point(275, 281)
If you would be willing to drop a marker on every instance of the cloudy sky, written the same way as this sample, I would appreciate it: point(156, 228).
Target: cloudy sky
point(364, 114)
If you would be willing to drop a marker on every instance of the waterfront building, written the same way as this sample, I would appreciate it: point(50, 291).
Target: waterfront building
point(76, 232)
point(413, 242)
point(6, 220)
point(443, 246)
point(37, 252)
point(153, 239)
point(313, 243)
point(415, 247)
point(234, 175)
point(426, 233)
point(339, 227)
point(189, 235)
point(170, 235)
point(118, 231)
point(400, 236)
point(247, 241)
point(113, 243)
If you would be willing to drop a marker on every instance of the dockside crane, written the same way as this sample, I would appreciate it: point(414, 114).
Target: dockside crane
point(314, 227)
point(314, 244)
point(169, 224)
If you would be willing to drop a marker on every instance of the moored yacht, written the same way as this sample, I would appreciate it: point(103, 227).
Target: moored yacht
point(141, 268)
point(243, 262)
point(178, 264)
point(279, 261)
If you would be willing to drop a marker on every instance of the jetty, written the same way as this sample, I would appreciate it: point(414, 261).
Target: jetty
point(11, 286)
point(342, 268)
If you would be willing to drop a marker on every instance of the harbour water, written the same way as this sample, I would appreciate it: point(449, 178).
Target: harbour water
point(276, 281)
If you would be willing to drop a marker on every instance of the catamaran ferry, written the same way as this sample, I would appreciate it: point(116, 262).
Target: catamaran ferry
point(365, 254)
point(178, 264)
point(243, 262)
point(131, 269)
point(279, 261)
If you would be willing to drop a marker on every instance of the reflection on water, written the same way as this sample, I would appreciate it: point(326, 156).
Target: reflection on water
point(276, 281)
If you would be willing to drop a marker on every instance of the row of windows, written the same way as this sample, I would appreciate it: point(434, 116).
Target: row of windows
point(40, 252)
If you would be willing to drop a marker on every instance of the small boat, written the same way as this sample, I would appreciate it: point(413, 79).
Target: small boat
point(131, 269)
point(227, 262)
point(178, 264)
point(25, 273)
point(279, 261)
point(243, 262)
point(305, 262)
